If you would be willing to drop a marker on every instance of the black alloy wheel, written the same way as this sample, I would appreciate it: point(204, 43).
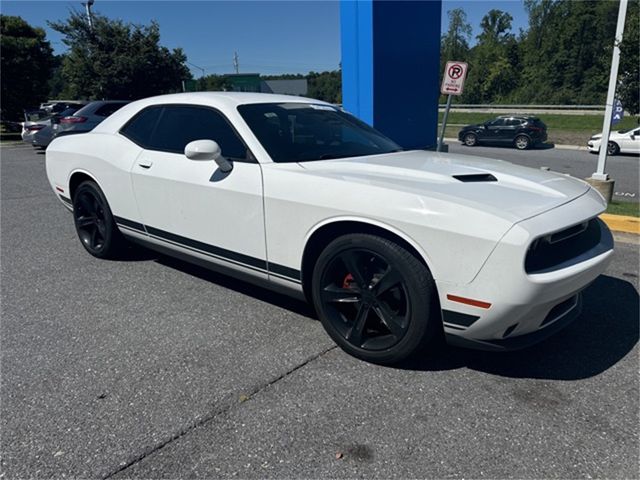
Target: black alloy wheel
point(374, 298)
point(470, 139)
point(94, 222)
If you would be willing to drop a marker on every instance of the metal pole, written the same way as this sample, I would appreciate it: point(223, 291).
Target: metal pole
point(444, 124)
point(613, 78)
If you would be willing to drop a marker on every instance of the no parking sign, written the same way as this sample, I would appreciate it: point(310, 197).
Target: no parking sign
point(453, 80)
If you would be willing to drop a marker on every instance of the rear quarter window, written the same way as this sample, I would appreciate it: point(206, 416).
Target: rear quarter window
point(140, 128)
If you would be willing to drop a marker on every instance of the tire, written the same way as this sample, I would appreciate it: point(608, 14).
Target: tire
point(522, 142)
point(613, 148)
point(470, 139)
point(375, 299)
point(94, 222)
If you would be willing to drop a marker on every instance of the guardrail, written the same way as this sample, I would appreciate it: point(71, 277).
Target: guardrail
point(531, 107)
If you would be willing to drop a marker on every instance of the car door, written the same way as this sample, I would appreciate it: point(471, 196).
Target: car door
point(190, 204)
point(630, 142)
point(494, 130)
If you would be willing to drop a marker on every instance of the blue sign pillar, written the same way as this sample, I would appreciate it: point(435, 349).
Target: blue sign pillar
point(390, 67)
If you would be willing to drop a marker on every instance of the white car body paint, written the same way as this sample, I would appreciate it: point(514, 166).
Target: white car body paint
point(627, 141)
point(257, 219)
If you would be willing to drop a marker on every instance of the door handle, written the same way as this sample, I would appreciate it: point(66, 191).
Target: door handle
point(145, 163)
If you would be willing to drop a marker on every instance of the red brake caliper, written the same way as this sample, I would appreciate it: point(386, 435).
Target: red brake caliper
point(346, 283)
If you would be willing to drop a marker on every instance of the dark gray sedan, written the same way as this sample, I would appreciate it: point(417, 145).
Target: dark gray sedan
point(82, 121)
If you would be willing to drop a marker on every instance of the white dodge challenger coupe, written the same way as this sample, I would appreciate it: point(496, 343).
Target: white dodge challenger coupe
point(392, 247)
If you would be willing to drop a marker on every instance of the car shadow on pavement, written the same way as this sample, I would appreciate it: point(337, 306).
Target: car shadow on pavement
point(246, 288)
point(606, 332)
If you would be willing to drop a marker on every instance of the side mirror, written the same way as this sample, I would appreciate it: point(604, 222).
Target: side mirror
point(207, 150)
point(633, 137)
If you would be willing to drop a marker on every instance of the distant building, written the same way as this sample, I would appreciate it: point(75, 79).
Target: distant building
point(244, 82)
point(295, 86)
point(251, 82)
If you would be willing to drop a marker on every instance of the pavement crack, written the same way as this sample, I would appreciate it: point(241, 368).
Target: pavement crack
point(203, 421)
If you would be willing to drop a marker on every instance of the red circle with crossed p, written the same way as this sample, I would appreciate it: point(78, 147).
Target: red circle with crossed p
point(455, 71)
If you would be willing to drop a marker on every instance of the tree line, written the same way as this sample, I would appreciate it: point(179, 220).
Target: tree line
point(563, 57)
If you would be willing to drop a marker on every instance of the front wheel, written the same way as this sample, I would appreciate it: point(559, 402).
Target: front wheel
point(522, 142)
point(94, 222)
point(375, 299)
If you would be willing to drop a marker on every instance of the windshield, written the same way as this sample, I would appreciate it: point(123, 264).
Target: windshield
point(300, 132)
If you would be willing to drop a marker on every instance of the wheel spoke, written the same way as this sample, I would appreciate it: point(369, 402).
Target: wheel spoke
point(354, 335)
point(85, 221)
point(334, 294)
point(390, 278)
point(392, 321)
point(349, 259)
point(94, 237)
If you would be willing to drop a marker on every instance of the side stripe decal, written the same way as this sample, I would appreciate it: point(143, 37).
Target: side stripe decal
point(258, 264)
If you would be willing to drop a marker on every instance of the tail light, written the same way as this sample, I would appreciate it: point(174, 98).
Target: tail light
point(73, 119)
point(33, 128)
point(536, 129)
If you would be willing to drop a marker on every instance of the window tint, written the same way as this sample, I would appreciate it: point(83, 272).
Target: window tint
point(498, 122)
point(298, 132)
point(180, 125)
point(139, 129)
point(514, 122)
point(108, 108)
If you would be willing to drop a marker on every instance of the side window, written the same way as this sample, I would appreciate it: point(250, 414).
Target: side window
point(108, 108)
point(141, 127)
point(514, 122)
point(498, 122)
point(180, 125)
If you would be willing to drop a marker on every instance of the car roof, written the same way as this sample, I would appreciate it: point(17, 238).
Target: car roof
point(93, 106)
point(234, 98)
point(225, 101)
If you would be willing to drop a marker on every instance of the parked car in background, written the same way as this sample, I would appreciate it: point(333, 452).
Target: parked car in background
point(58, 106)
point(520, 131)
point(37, 120)
point(85, 119)
point(622, 141)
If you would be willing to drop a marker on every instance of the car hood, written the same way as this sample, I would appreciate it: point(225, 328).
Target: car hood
point(473, 127)
point(516, 193)
point(612, 136)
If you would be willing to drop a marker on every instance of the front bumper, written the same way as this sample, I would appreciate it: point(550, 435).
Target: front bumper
point(526, 307)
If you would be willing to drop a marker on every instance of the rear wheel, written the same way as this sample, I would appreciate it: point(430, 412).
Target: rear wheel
point(94, 222)
point(470, 139)
point(374, 298)
point(522, 142)
point(613, 148)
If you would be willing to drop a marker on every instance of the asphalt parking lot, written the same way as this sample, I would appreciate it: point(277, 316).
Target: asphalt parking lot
point(152, 368)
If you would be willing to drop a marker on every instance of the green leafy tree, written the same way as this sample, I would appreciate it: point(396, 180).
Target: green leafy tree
point(214, 83)
point(326, 86)
point(629, 71)
point(118, 60)
point(454, 44)
point(26, 62)
point(494, 61)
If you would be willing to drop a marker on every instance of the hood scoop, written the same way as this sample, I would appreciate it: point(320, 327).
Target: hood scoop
point(476, 177)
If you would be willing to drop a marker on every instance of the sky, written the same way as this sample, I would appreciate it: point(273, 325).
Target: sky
point(270, 37)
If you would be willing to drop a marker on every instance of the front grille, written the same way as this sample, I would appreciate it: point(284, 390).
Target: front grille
point(551, 251)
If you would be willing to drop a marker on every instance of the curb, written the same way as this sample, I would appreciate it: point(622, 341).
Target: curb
point(622, 223)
